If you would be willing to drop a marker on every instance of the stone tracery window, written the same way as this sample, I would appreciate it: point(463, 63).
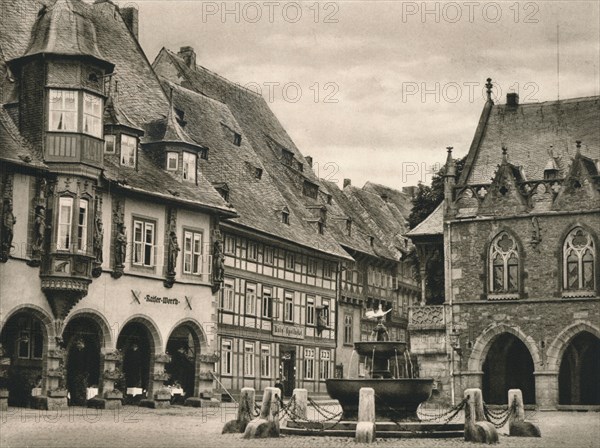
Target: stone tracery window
point(579, 261)
point(504, 264)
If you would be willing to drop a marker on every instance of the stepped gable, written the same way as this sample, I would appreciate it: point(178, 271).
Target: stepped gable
point(534, 132)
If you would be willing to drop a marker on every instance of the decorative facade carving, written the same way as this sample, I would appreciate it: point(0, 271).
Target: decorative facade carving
point(8, 218)
point(98, 242)
point(119, 237)
point(172, 247)
point(218, 262)
point(429, 317)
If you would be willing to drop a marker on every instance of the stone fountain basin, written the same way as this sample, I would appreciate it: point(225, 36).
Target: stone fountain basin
point(382, 348)
point(403, 395)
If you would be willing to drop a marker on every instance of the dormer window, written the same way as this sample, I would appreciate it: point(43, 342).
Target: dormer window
point(189, 166)
point(128, 150)
point(172, 161)
point(62, 111)
point(258, 173)
point(237, 139)
point(109, 144)
point(288, 157)
point(309, 189)
point(320, 228)
point(179, 114)
point(285, 216)
point(349, 227)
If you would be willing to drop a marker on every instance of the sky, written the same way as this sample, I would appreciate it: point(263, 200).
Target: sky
point(376, 90)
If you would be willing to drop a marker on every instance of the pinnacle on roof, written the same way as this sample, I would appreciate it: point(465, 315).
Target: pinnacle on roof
point(63, 29)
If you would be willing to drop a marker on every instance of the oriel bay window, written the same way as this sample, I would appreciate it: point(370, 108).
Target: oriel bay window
point(65, 216)
point(68, 214)
point(64, 116)
point(143, 242)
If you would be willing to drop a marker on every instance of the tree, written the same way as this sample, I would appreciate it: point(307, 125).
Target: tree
point(427, 198)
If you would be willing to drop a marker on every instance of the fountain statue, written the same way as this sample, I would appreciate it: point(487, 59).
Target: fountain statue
point(398, 392)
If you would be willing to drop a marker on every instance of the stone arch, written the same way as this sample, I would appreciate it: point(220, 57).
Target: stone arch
point(561, 342)
point(107, 335)
point(151, 326)
point(486, 339)
point(39, 313)
point(201, 343)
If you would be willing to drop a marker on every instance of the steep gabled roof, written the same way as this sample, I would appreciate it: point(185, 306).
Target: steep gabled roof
point(140, 99)
point(432, 225)
point(261, 130)
point(13, 147)
point(63, 28)
point(533, 133)
point(258, 201)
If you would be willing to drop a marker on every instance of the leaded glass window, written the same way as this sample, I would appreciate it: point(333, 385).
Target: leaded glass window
point(504, 264)
point(579, 260)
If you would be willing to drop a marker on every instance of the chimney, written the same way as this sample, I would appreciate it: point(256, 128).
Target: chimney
point(309, 160)
point(189, 56)
point(512, 99)
point(347, 183)
point(130, 17)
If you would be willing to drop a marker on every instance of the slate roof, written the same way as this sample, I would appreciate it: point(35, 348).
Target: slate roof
point(535, 134)
point(359, 206)
point(63, 28)
point(432, 225)
point(229, 105)
point(14, 148)
point(140, 96)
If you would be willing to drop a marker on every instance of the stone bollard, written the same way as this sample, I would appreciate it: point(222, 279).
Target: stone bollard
point(477, 429)
point(365, 428)
point(517, 426)
point(245, 412)
point(300, 403)
point(267, 423)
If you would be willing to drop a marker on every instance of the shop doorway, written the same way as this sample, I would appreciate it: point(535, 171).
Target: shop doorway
point(24, 343)
point(83, 338)
point(287, 370)
point(184, 348)
point(135, 342)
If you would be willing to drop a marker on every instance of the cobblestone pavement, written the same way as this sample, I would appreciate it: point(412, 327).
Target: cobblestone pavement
point(191, 427)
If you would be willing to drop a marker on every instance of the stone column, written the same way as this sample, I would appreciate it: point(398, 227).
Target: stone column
point(546, 389)
point(365, 428)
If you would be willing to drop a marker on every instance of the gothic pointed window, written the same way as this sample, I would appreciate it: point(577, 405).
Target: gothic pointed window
point(504, 265)
point(579, 261)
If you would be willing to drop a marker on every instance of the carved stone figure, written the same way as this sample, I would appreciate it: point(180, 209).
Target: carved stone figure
point(98, 241)
point(8, 223)
point(173, 252)
point(39, 228)
point(218, 262)
point(121, 247)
